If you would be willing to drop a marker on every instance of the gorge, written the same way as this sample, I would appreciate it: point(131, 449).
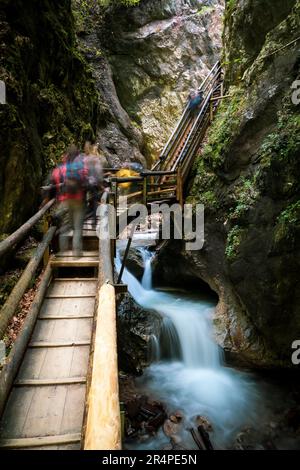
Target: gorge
point(205, 332)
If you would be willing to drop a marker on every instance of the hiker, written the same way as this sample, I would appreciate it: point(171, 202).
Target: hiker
point(195, 100)
point(68, 181)
point(95, 178)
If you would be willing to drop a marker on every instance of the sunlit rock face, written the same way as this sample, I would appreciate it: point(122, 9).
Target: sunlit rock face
point(158, 51)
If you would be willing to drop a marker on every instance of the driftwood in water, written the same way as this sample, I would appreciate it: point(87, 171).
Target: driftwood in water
point(201, 438)
point(18, 291)
point(205, 438)
point(7, 244)
point(15, 357)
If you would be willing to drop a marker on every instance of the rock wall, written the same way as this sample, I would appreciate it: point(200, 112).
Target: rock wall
point(51, 100)
point(145, 59)
point(158, 51)
point(142, 62)
point(248, 179)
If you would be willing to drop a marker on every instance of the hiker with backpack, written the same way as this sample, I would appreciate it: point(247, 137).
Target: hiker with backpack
point(195, 100)
point(68, 183)
point(94, 177)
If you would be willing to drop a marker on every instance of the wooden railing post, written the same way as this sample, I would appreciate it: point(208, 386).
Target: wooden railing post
point(145, 190)
point(179, 190)
point(47, 251)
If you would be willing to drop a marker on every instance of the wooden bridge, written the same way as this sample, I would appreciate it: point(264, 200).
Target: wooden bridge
point(59, 384)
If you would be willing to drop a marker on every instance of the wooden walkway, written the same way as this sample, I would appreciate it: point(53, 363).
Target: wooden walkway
point(59, 385)
point(46, 406)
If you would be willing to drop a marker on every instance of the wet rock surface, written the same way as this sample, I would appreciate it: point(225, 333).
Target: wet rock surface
point(136, 327)
point(247, 178)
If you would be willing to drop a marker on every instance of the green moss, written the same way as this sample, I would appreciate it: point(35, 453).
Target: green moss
point(291, 215)
point(285, 141)
point(52, 101)
point(204, 181)
point(204, 10)
point(233, 242)
point(244, 197)
point(286, 232)
point(226, 125)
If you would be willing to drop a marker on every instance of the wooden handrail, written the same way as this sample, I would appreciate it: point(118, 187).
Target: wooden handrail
point(7, 244)
point(103, 427)
point(103, 421)
point(18, 291)
point(11, 367)
point(158, 173)
point(128, 179)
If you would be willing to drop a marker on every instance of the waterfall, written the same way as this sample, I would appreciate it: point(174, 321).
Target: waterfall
point(147, 277)
point(186, 328)
point(188, 371)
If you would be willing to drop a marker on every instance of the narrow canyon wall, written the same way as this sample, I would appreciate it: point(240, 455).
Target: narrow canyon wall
point(145, 59)
point(248, 179)
point(158, 51)
point(51, 100)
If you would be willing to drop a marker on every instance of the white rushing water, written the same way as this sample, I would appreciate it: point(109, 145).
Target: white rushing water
point(189, 373)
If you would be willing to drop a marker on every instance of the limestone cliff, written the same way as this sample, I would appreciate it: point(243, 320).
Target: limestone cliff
point(158, 51)
point(145, 59)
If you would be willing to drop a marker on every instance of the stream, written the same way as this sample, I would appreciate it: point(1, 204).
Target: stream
point(188, 372)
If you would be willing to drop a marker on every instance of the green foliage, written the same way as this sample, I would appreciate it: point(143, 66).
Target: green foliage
point(283, 143)
point(234, 238)
point(128, 3)
point(230, 6)
point(223, 132)
point(204, 10)
point(245, 195)
point(287, 229)
point(291, 215)
point(204, 181)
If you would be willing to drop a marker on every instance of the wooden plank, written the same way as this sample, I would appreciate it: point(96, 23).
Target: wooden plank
point(75, 279)
point(10, 369)
point(67, 254)
point(70, 329)
point(15, 413)
point(46, 410)
point(67, 306)
point(66, 317)
point(65, 344)
point(72, 417)
point(77, 287)
point(75, 263)
point(40, 441)
point(103, 397)
point(54, 363)
point(44, 382)
point(80, 296)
